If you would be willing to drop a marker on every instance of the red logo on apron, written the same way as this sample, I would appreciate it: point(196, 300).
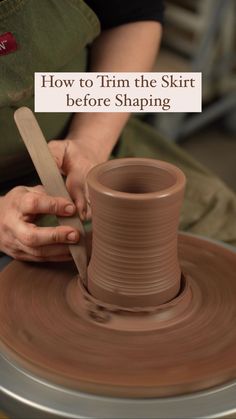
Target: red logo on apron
point(7, 43)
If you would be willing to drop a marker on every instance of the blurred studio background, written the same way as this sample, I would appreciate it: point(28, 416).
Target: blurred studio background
point(200, 35)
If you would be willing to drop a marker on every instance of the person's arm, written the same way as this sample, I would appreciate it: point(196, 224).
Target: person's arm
point(92, 136)
point(130, 47)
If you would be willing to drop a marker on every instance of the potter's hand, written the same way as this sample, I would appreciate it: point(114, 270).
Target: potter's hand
point(21, 238)
point(75, 160)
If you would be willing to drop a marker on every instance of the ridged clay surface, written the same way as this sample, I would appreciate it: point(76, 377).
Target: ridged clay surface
point(40, 332)
point(135, 206)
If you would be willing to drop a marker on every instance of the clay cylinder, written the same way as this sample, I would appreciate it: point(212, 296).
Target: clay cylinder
point(135, 215)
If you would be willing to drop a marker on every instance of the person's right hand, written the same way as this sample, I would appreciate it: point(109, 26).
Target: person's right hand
point(21, 239)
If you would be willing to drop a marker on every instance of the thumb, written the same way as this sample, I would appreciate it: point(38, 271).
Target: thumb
point(76, 190)
point(58, 150)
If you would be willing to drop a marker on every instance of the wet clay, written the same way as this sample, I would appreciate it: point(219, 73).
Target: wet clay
point(135, 207)
point(135, 318)
point(41, 332)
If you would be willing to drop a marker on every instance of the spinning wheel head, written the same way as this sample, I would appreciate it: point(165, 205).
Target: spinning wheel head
point(153, 320)
point(193, 351)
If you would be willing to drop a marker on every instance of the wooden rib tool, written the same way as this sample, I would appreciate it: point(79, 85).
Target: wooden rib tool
point(51, 179)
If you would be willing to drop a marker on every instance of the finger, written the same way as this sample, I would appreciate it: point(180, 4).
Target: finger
point(24, 256)
point(45, 253)
point(81, 205)
point(48, 251)
point(77, 193)
point(37, 203)
point(32, 236)
point(37, 189)
point(89, 212)
point(58, 149)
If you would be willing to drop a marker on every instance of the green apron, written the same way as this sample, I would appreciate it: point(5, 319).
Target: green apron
point(52, 36)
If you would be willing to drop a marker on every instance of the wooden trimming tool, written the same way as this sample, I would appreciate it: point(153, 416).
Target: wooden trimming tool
point(51, 179)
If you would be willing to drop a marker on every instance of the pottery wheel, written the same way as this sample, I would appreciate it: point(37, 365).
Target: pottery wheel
point(40, 332)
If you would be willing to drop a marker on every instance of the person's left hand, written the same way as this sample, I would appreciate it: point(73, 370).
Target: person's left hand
point(75, 160)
